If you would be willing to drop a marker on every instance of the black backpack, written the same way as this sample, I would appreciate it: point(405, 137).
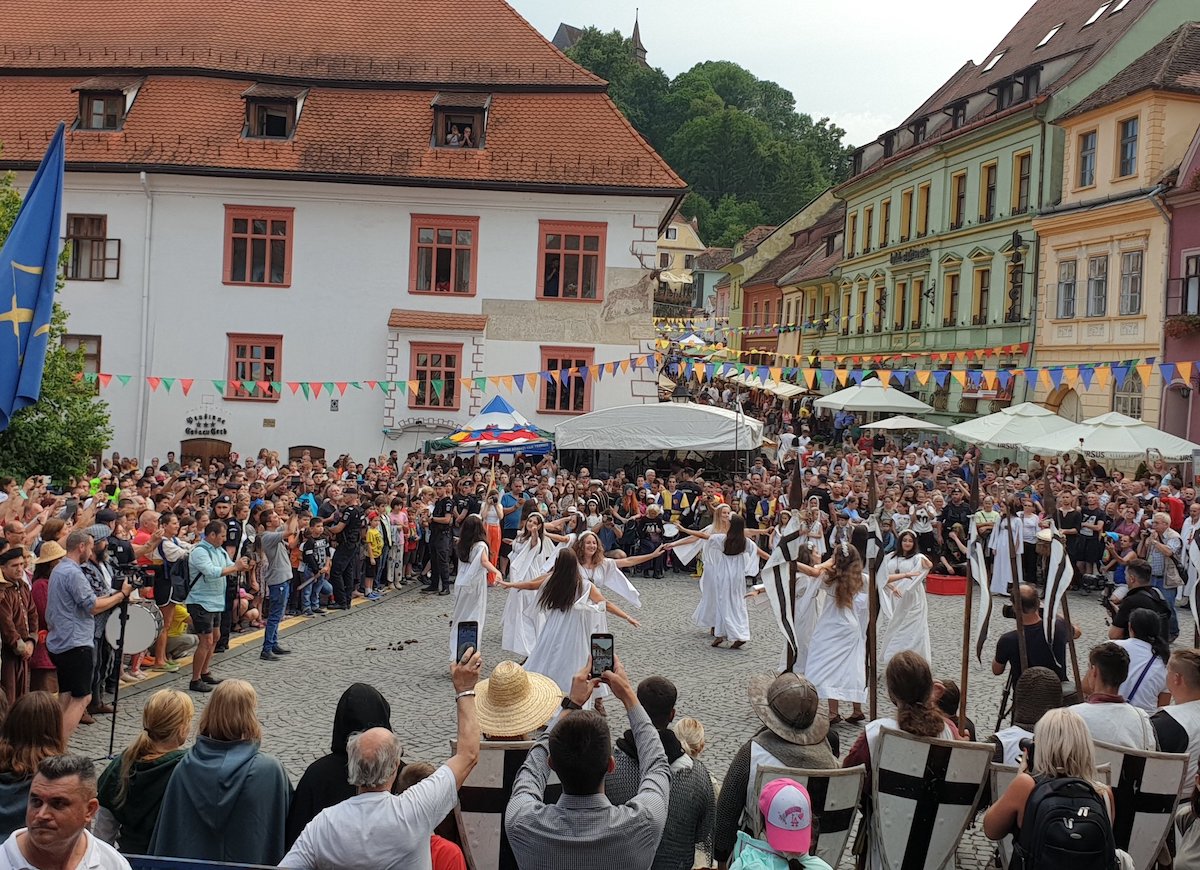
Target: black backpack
point(180, 576)
point(1066, 825)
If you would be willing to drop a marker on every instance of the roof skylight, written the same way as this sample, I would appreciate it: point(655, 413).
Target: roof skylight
point(1121, 4)
point(992, 63)
point(1049, 36)
point(1096, 15)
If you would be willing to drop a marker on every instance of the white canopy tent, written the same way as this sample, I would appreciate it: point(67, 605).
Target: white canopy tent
point(660, 426)
point(1011, 428)
point(1114, 436)
point(779, 388)
point(871, 395)
point(904, 423)
point(691, 340)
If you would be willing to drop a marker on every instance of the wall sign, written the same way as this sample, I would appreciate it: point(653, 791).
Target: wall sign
point(204, 424)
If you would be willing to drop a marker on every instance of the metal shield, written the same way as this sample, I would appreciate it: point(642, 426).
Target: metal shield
point(1146, 788)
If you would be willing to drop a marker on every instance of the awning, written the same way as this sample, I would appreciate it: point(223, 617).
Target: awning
point(661, 426)
point(675, 277)
point(871, 395)
point(779, 388)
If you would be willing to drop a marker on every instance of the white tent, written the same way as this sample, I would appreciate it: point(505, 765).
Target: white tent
point(904, 423)
point(1011, 428)
point(1114, 436)
point(779, 388)
point(691, 340)
point(871, 395)
point(661, 426)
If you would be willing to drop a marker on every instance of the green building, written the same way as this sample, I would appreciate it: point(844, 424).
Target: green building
point(940, 252)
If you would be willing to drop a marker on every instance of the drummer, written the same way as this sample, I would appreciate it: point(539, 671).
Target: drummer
point(675, 502)
point(651, 534)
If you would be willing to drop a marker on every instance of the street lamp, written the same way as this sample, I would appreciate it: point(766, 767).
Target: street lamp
point(681, 395)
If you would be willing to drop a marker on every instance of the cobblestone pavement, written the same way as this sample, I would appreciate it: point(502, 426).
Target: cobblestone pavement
point(400, 645)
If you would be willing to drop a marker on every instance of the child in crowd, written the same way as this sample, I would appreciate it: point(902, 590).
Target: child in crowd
point(314, 556)
point(788, 828)
point(374, 553)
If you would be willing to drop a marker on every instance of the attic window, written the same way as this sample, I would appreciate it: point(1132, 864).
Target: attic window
point(992, 63)
point(958, 115)
point(1121, 4)
point(918, 131)
point(1005, 94)
point(460, 119)
point(889, 145)
point(1050, 35)
point(1096, 15)
point(272, 110)
point(831, 245)
point(104, 101)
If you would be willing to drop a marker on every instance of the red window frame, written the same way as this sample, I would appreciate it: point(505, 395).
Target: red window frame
point(573, 390)
point(435, 225)
point(421, 365)
point(556, 248)
point(244, 365)
point(241, 224)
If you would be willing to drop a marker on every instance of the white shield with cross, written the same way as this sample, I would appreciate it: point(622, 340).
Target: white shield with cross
point(924, 792)
point(834, 795)
point(1146, 788)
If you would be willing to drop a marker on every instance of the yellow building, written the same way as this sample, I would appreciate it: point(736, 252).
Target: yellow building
point(678, 247)
point(1103, 251)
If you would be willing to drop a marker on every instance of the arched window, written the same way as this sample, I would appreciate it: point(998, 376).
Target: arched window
point(1127, 398)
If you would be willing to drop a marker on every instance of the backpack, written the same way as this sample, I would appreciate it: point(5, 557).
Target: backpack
point(1066, 825)
point(179, 574)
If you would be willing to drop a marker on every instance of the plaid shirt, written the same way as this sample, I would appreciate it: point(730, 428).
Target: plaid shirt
point(586, 832)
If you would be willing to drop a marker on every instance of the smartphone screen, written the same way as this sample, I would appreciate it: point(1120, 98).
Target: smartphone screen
point(468, 636)
point(602, 654)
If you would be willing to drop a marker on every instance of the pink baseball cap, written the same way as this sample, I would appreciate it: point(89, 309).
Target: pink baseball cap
point(787, 816)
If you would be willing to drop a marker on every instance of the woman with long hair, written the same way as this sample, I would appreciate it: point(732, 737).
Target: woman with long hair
point(837, 649)
point(729, 558)
point(901, 583)
point(471, 582)
point(224, 784)
point(1149, 652)
point(532, 550)
point(600, 570)
point(43, 676)
point(1006, 539)
point(574, 610)
point(132, 786)
point(1064, 749)
point(32, 731)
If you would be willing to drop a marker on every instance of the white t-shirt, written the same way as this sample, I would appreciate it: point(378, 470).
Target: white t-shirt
point(377, 830)
point(99, 855)
point(1118, 724)
point(1155, 681)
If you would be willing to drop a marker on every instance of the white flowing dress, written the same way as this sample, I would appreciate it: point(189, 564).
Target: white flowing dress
point(470, 595)
point(837, 650)
point(908, 615)
point(691, 548)
point(564, 644)
point(705, 615)
point(522, 619)
point(998, 543)
point(726, 576)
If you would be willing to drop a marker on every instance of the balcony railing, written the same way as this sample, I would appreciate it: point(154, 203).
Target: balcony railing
point(949, 321)
point(979, 320)
point(968, 405)
point(1012, 317)
point(940, 401)
point(916, 324)
point(860, 329)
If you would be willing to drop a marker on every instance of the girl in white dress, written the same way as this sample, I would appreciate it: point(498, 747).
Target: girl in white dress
point(470, 585)
point(599, 570)
point(814, 527)
point(574, 609)
point(729, 558)
point(837, 650)
point(901, 584)
point(532, 552)
point(1002, 544)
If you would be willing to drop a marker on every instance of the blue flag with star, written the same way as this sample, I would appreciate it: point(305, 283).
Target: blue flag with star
point(28, 273)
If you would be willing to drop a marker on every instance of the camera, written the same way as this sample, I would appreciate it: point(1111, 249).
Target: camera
point(136, 576)
point(1007, 612)
point(1109, 599)
point(1026, 744)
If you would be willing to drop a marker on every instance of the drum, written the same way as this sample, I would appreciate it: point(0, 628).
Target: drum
point(143, 627)
point(1043, 542)
point(670, 530)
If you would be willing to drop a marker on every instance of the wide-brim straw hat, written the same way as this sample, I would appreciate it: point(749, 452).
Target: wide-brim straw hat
point(513, 702)
point(789, 706)
point(1037, 691)
point(51, 550)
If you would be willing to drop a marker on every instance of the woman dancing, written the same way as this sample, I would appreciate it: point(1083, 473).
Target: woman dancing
point(532, 551)
point(837, 650)
point(901, 583)
point(729, 558)
point(470, 585)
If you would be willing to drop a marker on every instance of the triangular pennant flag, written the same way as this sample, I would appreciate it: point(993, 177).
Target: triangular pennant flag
point(901, 377)
point(341, 387)
point(776, 374)
point(1086, 375)
point(104, 379)
point(168, 383)
point(507, 382)
point(153, 382)
point(1103, 376)
point(841, 376)
point(857, 375)
point(1120, 372)
point(304, 387)
point(316, 389)
point(922, 376)
point(1184, 370)
point(625, 365)
point(124, 379)
point(1167, 370)
point(885, 378)
point(1004, 378)
point(960, 376)
point(219, 386)
point(436, 384)
point(293, 386)
point(1031, 377)
point(1143, 371)
point(248, 386)
point(373, 384)
point(940, 377)
point(989, 379)
point(356, 384)
point(827, 375)
point(1071, 376)
point(481, 384)
point(186, 384)
point(1056, 376)
point(88, 377)
point(263, 386)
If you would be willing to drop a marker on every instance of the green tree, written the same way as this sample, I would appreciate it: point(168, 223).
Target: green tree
point(68, 425)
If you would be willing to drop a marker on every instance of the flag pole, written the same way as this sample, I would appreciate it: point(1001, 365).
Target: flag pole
point(968, 600)
point(873, 598)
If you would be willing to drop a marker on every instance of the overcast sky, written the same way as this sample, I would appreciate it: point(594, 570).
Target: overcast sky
point(866, 64)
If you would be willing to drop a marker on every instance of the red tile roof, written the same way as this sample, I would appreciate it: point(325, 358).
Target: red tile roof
point(572, 140)
point(712, 259)
point(479, 42)
point(751, 240)
point(407, 318)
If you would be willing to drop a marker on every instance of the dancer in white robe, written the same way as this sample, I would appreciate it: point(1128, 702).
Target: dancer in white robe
point(727, 564)
point(1003, 544)
point(574, 610)
point(901, 584)
point(470, 584)
point(837, 650)
point(532, 554)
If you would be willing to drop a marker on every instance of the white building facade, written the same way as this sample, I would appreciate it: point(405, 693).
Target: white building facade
point(516, 255)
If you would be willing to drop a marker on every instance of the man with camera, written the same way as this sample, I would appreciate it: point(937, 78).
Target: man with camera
point(1039, 653)
point(1139, 577)
point(1161, 547)
point(277, 539)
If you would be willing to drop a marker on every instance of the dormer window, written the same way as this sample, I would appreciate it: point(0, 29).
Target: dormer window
point(1031, 82)
point(1004, 94)
point(460, 120)
point(918, 131)
point(958, 115)
point(889, 145)
point(272, 110)
point(105, 101)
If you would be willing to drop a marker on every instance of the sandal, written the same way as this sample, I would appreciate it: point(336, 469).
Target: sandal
point(737, 644)
point(857, 717)
point(836, 720)
point(718, 642)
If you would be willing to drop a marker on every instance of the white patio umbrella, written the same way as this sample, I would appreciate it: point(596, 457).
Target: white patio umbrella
point(1011, 428)
point(691, 340)
point(871, 395)
point(903, 423)
point(1114, 436)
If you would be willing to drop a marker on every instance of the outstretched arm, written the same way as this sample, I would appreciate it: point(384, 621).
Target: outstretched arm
point(630, 561)
point(535, 583)
point(596, 596)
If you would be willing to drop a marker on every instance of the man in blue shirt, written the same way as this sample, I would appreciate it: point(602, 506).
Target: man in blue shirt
point(209, 564)
point(511, 502)
point(70, 607)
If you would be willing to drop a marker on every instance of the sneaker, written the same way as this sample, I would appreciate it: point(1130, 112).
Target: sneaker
point(306, 613)
point(374, 596)
point(319, 611)
point(169, 666)
point(199, 686)
point(268, 656)
point(444, 592)
point(429, 590)
point(280, 651)
point(207, 677)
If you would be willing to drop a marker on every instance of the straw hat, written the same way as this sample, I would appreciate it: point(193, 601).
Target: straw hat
point(789, 706)
point(1038, 690)
point(51, 550)
point(513, 701)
